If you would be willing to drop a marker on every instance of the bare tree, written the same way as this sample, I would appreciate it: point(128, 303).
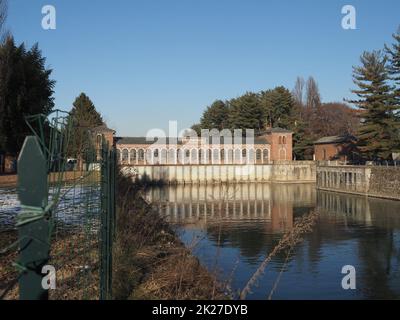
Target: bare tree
point(3, 17)
point(313, 97)
point(298, 91)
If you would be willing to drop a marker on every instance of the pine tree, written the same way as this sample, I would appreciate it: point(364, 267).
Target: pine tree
point(377, 135)
point(278, 106)
point(393, 54)
point(246, 112)
point(83, 118)
point(25, 89)
point(215, 116)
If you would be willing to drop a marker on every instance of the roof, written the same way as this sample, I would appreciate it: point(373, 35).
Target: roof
point(180, 141)
point(334, 139)
point(276, 130)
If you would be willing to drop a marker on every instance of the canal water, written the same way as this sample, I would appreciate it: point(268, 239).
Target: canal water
point(232, 229)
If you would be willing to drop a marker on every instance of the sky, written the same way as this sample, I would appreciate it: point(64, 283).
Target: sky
point(146, 62)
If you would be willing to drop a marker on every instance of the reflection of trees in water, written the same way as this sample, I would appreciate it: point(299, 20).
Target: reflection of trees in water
point(380, 261)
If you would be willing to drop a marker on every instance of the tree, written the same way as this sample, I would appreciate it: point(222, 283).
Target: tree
point(298, 91)
point(25, 89)
point(378, 133)
point(333, 119)
point(312, 94)
point(215, 116)
point(83, 118)
point(393, 54)
point(278, 106)
point(246, 112)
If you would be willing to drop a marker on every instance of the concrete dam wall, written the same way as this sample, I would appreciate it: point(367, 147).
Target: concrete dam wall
point(279, 171)
point(373, 181)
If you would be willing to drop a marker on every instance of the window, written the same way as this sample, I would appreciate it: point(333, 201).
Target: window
point(133, 155)
point(284, 140)
point(125, 155)
point(141, 155)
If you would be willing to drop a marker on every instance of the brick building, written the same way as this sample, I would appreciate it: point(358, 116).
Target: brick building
point(270, 145)
point(342, 148)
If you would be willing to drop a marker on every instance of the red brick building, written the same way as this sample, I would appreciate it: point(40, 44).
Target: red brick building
point(340, 148)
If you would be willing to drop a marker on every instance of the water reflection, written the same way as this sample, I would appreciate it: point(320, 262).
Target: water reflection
point(242, 223)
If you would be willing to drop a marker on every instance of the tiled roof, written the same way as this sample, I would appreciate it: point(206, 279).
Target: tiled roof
point(334, 139)
point(144, 140)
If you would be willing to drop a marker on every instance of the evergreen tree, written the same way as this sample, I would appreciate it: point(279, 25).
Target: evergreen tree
point(83, 118)
point(377, 135)
point(215, 116)
point(246, 112)
point(393, 54)
point(278, 106)
point(25, 89)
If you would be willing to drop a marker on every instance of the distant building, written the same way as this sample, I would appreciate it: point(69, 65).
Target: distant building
point(272, 144)
point(342, 148)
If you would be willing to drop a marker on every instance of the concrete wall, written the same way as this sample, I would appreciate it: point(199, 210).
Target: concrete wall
point(382, 182)
point(278, 171)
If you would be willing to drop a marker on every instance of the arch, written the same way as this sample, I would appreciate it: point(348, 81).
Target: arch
point(238, 156)
point(149, 156)
point(282, 154)
point(155, 156)
point(141, 155)
point(163, 156)
point(194, 156)
point(251, 156)
point(222, 155)
point(125, 156)
point(209, 156)
point(265, 155)
point(230, 156)
point(258, 156)
point(98, 141)
point(284, 140)
point(215, 158)
point(133, 156)
point(172, 156)
point(179, 156)
point(201, 156)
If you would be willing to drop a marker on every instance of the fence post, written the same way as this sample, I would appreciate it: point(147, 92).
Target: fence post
point(33, 226)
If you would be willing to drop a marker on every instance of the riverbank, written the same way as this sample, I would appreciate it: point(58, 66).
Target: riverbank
point(150, 262)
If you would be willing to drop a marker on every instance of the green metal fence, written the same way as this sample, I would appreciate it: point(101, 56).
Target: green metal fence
point(66, 220)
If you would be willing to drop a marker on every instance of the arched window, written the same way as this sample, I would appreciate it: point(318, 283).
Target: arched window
point(201, 156)
point(265, 155)
point(172, 156)
point(194, 156)
point(230, 156)
point(244, 153)
point(133, 156)
point(222, 155)
point(258, 155)
point(141, 155)
point(125, 155)
point(251, 156)
point(216, 156)
point(280, 140)
point(324, 154)
point(209, 158)
point(284, 140)
point(179, 156)
point(163, 158)
point(237, 156)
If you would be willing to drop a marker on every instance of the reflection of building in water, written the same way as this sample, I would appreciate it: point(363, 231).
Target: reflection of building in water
point(354, 207)
point(360, 209)
point(201, 204)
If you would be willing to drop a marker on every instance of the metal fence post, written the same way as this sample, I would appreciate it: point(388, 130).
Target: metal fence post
point(33, 225)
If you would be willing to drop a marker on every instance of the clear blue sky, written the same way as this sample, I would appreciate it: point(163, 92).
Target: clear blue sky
point(146, 62)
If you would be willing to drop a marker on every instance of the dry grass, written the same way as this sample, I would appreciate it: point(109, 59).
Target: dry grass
point(150, 262)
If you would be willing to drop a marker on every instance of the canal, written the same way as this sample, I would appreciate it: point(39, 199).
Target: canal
point(232, 228)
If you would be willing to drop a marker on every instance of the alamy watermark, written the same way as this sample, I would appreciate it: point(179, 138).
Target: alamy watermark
point(49, 20)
